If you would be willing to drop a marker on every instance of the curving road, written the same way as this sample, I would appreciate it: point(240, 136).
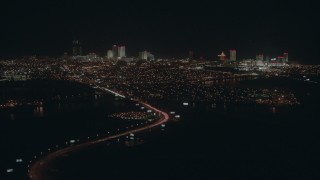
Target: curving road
point(38, 168)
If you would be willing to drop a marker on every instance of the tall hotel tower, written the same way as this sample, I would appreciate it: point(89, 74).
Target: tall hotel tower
point(233, 55)
point(121, 51)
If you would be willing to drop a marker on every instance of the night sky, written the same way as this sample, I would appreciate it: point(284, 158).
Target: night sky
point(166, 28)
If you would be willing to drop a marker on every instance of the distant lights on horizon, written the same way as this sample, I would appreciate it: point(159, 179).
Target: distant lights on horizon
point(121, 53)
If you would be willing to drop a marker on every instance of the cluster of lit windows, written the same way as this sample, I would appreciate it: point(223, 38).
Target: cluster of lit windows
point(166, 79)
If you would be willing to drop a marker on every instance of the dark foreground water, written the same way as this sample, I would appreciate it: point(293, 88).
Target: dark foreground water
point(207, 142)
point(212, 142)
point(25, 131)
point(206, 145)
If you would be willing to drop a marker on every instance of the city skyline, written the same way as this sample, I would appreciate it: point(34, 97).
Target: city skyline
point(119, 52)
point(167, 29)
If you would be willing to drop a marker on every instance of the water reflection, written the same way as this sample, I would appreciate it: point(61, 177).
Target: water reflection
point(38, 111)
point(214, 105)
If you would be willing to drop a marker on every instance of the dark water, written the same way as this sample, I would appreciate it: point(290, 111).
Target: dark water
point(213, 142)
point(209, 145)
point(221, 141)
point(249, 143)
point(28, 130)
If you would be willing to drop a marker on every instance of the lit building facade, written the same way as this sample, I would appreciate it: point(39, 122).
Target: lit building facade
point(259, 57)
point(233, 55)
point(109, 54)
point(280, 59)
point(222, 56)
point(285, 57)
point(115, 51)
point(121, 52)
point(143, 55)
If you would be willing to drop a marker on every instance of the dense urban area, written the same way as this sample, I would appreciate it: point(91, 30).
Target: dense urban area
point(148, 78)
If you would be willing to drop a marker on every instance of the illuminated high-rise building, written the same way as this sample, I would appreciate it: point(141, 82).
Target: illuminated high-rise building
point(76, 49)
point(115, 51)
point(222, 56)
point(109, 54)
point(267, 58)
point(143, 55)
point(121, 51)
point(259, 57)
point(280, 59)
point(285, 57)
point(150, 56)
point(233, 55)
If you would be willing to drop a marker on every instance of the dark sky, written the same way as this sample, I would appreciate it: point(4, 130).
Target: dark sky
point(166, 28)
